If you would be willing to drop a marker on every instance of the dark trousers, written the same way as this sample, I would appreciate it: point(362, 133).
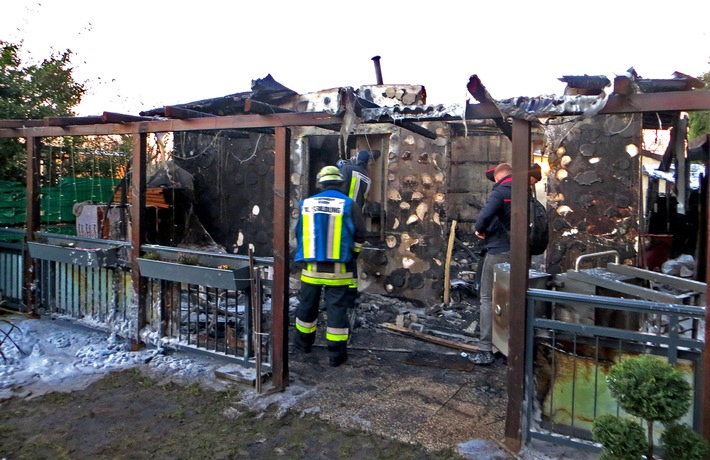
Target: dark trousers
point(337, 301)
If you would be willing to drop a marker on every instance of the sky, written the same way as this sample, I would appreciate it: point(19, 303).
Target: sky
point(138, 55)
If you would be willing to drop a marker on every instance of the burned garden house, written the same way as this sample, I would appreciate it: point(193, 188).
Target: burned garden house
point(618, 209)
point(626, 217)
point(428, 170)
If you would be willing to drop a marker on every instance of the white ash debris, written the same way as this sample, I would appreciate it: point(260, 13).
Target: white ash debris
point(55, 356)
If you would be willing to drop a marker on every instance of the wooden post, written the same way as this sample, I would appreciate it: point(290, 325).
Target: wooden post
point(447, 267)
point(34, 147)
point(279, 295)
point(138, 231)
point(705, 420)
point(519, 262)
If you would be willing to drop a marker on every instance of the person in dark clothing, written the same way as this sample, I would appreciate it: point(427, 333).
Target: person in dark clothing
point(329, 233)
point(356, 185)
point(356, 181)
point(493, 226)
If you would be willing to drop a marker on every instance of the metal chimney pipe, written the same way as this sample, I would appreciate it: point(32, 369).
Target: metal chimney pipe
point(378, 70)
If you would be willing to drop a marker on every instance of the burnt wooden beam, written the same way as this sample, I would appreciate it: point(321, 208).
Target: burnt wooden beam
point(193, 124)
point(280, 293)
point(623, 86)
point(480, 93)
point(172, 111)
point(262, 108)
point(112, 117)
point(486, 110)
point(20, 123)
point(415, 128)
point(519, 265)
point(34, 146)
point(184, 114)
point(138, 230)
point(69, 121)
point(658, 102)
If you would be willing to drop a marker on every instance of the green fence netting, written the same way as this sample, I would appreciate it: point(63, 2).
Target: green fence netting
point(56, 203)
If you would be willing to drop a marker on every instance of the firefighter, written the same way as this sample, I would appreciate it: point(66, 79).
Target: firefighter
point(356, 185)
point(329, 233)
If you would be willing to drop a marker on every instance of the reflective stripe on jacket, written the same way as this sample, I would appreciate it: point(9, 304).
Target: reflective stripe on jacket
point(328, 274)
point(357, 183)
point(325, 229)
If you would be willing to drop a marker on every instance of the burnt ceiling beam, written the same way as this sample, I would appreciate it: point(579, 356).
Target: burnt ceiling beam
point(21, 123)
point(480, 93)
point(112, 117)
point(482, 111)
point(415, 128)
point(184, 114)
point(181, 113)
point(68, 121)
point(658, 102)
point(322, 119)
point(262, 108)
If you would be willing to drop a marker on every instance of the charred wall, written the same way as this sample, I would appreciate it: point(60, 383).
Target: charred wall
point(234, 186)
point(593, 189)
point(472, 153)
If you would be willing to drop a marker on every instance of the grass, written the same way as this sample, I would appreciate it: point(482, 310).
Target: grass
point(128, 415)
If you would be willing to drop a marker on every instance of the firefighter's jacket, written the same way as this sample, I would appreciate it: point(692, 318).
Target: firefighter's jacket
point(330, 232)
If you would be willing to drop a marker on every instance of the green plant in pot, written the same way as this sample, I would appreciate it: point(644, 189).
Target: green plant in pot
point(654, 391)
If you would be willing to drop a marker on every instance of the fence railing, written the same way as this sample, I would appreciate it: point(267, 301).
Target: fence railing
point(198, 300)
point(204, 301)
point(566, 361)
point(83, 278)
point(11, 267)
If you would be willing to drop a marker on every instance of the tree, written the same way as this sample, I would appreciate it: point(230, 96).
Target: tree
point(699, 122)
point(655, 391)
point(32, 91)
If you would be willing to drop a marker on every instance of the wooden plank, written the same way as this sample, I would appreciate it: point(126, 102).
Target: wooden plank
point(447, 265)
point(429, 338)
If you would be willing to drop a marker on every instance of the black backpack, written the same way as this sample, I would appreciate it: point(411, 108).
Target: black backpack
point(538, 233)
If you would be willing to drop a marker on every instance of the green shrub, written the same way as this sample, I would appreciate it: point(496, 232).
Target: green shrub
point(649, 388)
point(623, 439)
point(680, 442)
point(655, 391)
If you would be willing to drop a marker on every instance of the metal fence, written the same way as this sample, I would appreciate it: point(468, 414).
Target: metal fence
point(209, 302)
point(198, 300)
point(100, 295)
point(11, 267)
point(566, 361)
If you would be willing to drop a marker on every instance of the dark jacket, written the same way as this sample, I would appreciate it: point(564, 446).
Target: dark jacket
point(357, 182)
point(494, 219)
